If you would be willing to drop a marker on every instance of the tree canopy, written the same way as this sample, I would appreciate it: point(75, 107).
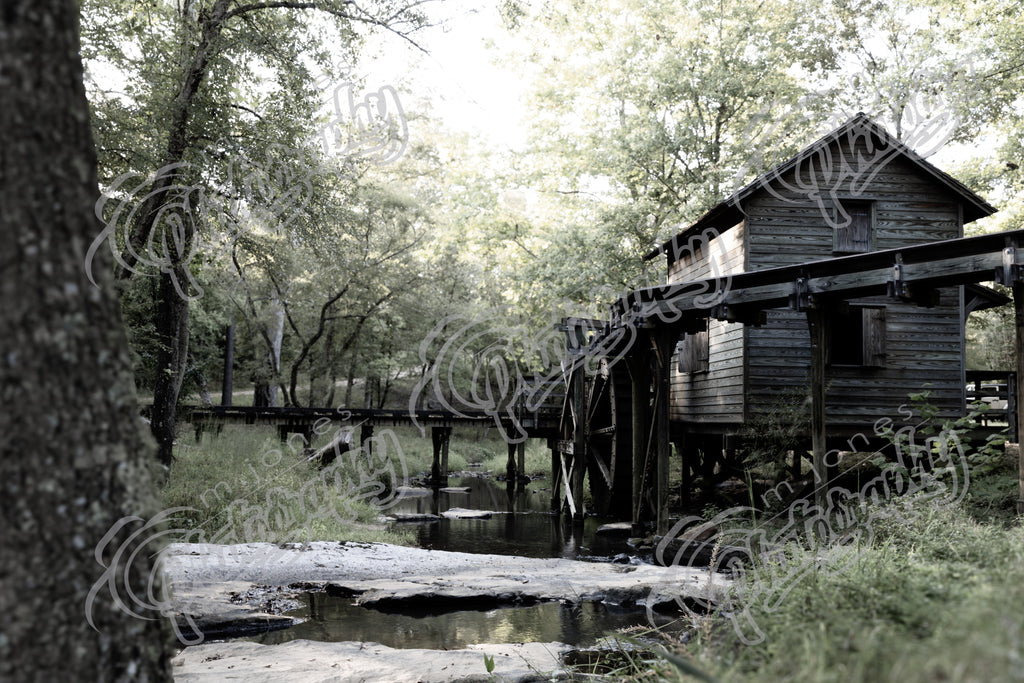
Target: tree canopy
point(337, 222)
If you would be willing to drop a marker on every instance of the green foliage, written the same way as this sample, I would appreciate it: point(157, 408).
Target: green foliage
point(991, 337)
point(928, 600)
point(489, 663)
point(947, 435)
point(245, 486)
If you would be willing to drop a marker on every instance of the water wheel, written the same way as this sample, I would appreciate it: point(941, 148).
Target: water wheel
point(608, 428)
point(596, 430)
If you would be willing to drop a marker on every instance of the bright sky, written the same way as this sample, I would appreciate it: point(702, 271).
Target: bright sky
point(459, 77)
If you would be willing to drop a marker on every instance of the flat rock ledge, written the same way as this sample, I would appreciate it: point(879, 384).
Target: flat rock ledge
point(463, 513)
point(207, 580)
point(304, 661)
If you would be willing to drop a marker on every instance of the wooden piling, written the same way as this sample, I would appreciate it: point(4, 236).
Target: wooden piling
point(441, 438)
point(521, 477)
point(510, 465)
point(1018, 310)
point(666, 342)
point(818, 320)
point(556, 475)
point(639, 376)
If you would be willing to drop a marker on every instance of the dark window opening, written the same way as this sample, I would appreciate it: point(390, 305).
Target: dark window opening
point(858, 337)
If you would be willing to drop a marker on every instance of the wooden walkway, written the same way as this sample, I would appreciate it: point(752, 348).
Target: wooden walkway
point(304, 424)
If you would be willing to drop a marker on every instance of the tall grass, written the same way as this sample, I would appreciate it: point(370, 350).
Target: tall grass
point(243, 486)
point(936, 596)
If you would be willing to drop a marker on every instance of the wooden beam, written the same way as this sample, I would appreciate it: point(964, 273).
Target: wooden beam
point(908, 272)
point(819, 322)
point(640, 384)
point(1018, 309)
point(666, 342)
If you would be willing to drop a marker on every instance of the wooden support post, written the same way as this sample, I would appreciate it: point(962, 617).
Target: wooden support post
point(365, 434)
point(556, 475)
point(640, 381)
point(1018, 309)
point(441, 437)
point(510, 466)
point(818, 320)
point(522, 478)
point(666, 342)
point(709, 451)
point(579, 457)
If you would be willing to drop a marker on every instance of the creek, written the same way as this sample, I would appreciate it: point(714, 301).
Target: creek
point(521, 524)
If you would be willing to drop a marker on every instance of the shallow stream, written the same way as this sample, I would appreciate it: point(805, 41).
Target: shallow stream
point(522, 525)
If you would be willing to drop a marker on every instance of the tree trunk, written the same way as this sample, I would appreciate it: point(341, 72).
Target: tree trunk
point(172, 320)
point(73, 459)
point(172, 335)
point(350, 380)
point(226, 389)
point(275, 332)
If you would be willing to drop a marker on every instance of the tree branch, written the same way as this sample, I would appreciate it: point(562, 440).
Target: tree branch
point(360, 15)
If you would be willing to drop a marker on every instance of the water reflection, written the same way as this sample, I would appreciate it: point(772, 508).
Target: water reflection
point(335, 619)
point(523, 524)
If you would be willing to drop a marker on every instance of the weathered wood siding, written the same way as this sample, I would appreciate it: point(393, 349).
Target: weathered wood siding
point(717, 395)
point(922, 345)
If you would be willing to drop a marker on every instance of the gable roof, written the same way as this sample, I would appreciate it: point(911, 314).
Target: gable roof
point(728, 212)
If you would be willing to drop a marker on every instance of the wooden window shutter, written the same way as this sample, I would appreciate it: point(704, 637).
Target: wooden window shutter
point(874, 337)
point(694, 352)
point(854, 236)
point(702, 342)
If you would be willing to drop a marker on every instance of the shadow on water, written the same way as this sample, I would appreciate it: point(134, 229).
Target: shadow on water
point(335, 618)
point(523, 524)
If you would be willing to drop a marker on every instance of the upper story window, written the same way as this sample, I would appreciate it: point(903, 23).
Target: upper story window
point(854, 223)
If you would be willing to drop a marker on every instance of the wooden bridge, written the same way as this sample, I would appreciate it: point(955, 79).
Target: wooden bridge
point(537, 419)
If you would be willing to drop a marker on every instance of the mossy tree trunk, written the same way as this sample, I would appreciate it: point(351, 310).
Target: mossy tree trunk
point(73, 459)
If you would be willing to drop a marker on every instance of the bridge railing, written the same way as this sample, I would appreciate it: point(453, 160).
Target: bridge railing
point(998, 389)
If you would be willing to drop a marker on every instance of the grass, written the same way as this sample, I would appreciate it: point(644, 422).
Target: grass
point(243, 485)
point(937, 595)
